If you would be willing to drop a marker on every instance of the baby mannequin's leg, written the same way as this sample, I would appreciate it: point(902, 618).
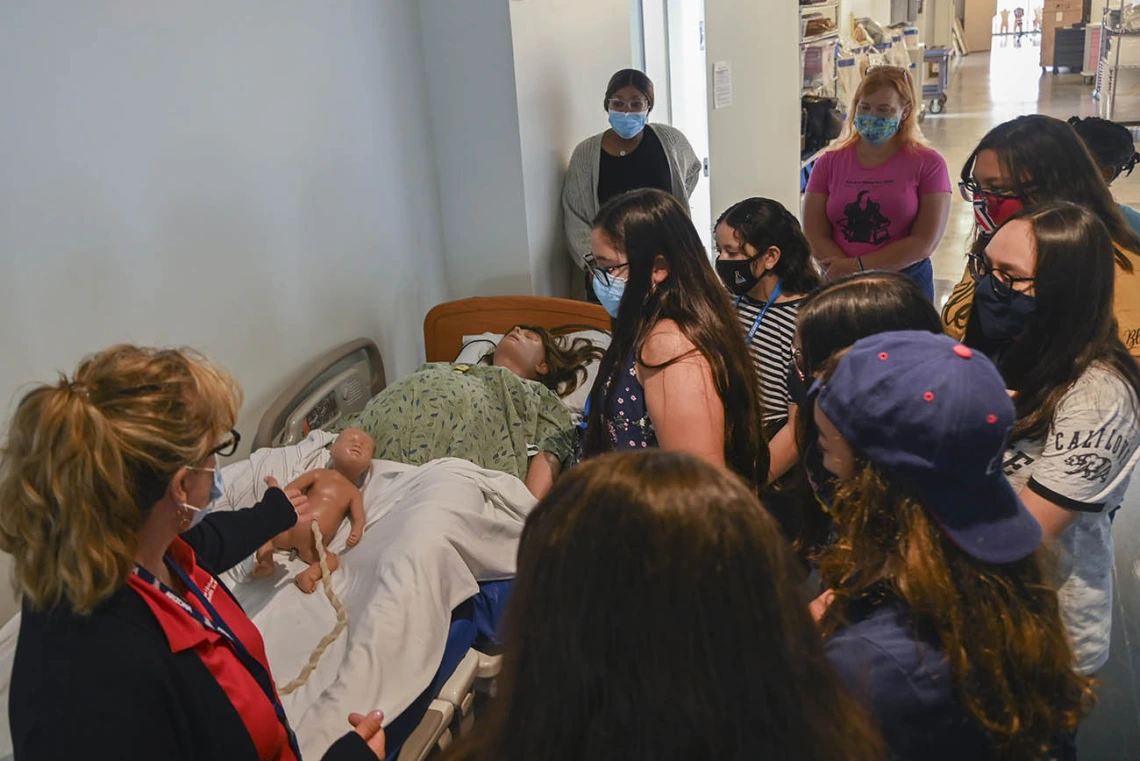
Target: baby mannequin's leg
point(265, 565)
point(308, 579)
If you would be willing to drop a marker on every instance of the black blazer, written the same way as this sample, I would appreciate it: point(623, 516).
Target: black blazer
point(106, 687)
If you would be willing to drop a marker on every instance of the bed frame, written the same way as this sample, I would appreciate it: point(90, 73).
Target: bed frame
point(337, 383)
point(446, 324)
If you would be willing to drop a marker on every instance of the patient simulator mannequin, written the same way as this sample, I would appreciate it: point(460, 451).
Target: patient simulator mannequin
point(504, 412)
point(332, 494)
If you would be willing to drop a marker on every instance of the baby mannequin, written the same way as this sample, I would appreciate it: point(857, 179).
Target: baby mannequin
point(332, 493)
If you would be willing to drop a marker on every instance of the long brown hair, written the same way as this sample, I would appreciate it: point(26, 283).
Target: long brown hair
point(654, 618)
point(566, 359)
point(998, 625)
point(645, 224)
point(1073, 325)
point(88, 457)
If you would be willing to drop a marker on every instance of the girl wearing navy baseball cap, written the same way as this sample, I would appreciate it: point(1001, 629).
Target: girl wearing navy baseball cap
point(941, 617)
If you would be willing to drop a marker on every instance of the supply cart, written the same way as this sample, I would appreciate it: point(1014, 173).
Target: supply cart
point(935, 92)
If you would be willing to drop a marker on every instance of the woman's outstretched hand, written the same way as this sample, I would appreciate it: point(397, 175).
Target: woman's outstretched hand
point(371, 730)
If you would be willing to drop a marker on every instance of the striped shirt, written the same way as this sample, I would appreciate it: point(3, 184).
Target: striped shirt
point(771, 350)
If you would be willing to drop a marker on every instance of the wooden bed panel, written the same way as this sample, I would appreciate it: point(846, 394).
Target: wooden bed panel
point(446, 324)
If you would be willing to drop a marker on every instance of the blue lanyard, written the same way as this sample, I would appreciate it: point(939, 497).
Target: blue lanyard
point(760, 317)
point(218, 625)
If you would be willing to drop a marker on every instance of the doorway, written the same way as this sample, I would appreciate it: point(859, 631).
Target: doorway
point(673, 51)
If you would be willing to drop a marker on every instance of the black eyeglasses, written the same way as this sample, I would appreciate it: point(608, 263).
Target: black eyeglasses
point(605, 274)
point(1005, 284)
point(970, 189)
point(229, 446)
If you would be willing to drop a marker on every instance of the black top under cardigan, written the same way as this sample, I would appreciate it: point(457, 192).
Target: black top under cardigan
point(106, 687)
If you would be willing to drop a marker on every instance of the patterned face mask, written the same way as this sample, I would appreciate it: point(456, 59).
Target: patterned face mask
point(876, 130)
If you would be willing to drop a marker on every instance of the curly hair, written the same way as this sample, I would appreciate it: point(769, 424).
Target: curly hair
point(1012, 667)
point(763, 223)
point(88, 457)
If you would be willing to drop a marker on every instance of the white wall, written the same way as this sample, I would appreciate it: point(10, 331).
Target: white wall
point(565, 52)
point(251, 177)
point(754, 145)
point(879, 10)
point(475, 123)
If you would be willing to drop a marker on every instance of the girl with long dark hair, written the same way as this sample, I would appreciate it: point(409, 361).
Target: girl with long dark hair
point(1114, 152)
point(1043, 305)
point(830, 319)
point(677, 374)
point(654, 618)
point(940, 615)
point(1037, 159)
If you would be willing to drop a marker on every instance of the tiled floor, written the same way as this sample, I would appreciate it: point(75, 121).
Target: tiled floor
point(987, 89)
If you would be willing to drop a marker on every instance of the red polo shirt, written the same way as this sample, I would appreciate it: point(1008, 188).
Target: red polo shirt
point(184, 633)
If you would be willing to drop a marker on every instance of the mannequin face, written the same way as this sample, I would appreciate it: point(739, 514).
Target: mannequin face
point(523, 352)
point(838, 457)
point(352, 453)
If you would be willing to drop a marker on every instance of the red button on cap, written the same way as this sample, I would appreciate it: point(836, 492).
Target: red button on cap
point(991, 419)
point(963, 351)
point(928, 396)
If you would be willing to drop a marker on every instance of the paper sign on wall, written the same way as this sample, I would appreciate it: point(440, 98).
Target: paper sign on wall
point(722, 84)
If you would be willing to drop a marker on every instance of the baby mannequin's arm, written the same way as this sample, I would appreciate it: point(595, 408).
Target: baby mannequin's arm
point(544, 467)
point(356, 515)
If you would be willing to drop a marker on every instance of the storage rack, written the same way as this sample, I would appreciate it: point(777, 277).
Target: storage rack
point(1112, 39)
point(825, 46)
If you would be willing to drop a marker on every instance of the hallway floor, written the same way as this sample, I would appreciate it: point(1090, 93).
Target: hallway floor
point(985, 90)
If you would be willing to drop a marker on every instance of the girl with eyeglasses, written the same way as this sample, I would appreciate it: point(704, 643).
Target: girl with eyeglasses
point(631, 154)
point(1114, 152)
point(1037, 159)
point(879, 198)
point(130, 645)
point(677, 374)
point(1043, 313)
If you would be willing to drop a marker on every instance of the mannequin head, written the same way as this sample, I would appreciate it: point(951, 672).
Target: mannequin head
point(352, 453)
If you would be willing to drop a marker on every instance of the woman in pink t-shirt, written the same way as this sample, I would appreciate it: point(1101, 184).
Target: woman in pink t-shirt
point(880, 198)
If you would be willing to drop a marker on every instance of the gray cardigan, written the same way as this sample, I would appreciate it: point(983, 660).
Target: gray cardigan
point(580, 189)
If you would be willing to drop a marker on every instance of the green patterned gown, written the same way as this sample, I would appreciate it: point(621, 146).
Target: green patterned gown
point(487, 415)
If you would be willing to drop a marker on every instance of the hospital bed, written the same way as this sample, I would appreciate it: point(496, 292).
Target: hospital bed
point(341, 382)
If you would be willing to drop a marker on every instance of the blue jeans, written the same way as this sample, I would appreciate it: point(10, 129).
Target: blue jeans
point(923, 274)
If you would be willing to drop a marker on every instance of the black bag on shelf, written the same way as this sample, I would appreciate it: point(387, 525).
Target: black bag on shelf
point(820, 121)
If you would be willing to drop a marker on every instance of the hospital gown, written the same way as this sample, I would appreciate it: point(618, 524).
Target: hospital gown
point(486, 415)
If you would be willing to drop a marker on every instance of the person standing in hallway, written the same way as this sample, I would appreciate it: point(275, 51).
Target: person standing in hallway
point(1044, 315)
point(1036, 159)
point(880, 198)
point(1113, 151)
point(631, 154)
point(1004, 21)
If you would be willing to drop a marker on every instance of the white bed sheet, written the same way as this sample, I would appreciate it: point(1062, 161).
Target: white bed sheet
point(432, 533)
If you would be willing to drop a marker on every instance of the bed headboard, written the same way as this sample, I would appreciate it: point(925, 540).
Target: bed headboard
point(446, 324)
point(337, 383)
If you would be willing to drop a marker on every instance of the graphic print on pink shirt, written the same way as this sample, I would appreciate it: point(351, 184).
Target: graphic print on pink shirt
point(870, 208)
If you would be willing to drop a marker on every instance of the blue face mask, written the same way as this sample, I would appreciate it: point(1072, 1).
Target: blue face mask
point(628, 124)
point(610, 295)
point(876, 130)
point(216, 492)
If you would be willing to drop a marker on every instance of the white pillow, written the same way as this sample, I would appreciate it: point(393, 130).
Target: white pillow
point(475, 347)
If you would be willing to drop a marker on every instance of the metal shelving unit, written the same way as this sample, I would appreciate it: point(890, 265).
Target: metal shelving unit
point(1112, 39)
point(822, 48)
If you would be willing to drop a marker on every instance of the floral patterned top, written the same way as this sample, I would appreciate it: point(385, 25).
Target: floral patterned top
point(626, 417)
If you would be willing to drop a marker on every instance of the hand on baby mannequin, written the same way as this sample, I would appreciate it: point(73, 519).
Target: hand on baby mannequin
point(330, 495)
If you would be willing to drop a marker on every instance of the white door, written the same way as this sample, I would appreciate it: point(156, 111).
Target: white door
point(674, 58)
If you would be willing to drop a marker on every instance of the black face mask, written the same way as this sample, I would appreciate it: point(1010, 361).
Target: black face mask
point(1003, 314)
point(737, 274)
